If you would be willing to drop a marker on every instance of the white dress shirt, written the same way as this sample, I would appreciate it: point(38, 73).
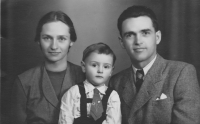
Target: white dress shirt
point(70, 104)
point(145, 69)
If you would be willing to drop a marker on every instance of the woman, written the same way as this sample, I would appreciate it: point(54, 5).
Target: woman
point(37, 92)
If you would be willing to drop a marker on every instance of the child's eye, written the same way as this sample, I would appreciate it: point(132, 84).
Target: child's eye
point(94, 65)
point(107, 66)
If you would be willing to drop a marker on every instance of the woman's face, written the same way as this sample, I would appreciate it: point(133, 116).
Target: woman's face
point(55, 41)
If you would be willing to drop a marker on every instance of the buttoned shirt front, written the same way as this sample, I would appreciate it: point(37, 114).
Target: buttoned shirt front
point(70, 104)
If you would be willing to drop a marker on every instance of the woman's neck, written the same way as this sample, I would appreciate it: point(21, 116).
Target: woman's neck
point(55, 66)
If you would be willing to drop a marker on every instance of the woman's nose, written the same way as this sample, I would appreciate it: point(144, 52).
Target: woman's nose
point(54, 45)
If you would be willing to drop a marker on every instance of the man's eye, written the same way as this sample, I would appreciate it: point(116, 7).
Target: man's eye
point(62, 39)
point(145, 33)
point(128, 35)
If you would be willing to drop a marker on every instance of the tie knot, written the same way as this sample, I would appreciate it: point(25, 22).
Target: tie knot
point(140, 74)
point(96, 91)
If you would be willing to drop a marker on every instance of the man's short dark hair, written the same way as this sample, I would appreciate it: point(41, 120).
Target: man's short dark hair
point(54, 16)
point(136, 11)
point(100, 48)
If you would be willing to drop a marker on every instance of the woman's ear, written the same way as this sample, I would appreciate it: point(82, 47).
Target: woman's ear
point(83, 66)
point(71, 43)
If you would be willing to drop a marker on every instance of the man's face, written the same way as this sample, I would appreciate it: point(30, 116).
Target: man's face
point(55, 41)
point(98, 68)
point(140, 40)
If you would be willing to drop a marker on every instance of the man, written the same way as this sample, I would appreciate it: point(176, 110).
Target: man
point(153, 90)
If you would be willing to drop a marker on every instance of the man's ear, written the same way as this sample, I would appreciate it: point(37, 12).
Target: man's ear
point(121, 42)
point(83, 66)
point(158, 37)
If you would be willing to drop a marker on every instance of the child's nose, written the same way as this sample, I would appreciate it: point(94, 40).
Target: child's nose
point(100, 70)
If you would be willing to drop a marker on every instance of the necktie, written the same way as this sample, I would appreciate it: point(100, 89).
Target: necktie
point(96, 106)
point(139, 79)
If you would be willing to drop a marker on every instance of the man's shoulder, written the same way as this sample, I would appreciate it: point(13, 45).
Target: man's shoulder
point(174, 65)
point(171, 64)
point(122, 73)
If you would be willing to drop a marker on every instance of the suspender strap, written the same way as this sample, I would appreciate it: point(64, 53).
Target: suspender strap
point(104, 102)
point(105, 98)
point(83, 103)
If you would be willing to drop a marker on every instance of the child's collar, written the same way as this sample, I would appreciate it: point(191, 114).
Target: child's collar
point(90, 87)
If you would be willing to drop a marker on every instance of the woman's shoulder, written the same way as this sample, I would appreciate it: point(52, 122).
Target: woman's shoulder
point(31, 71)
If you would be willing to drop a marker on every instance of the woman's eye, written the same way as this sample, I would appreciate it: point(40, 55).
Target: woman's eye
point(94, 65)
point(46, 38)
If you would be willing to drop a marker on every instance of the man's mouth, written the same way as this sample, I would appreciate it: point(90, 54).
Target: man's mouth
point(139, 49)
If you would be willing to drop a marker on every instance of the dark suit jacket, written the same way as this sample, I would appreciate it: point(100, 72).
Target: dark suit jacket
point(34, 99)
point(177, 80)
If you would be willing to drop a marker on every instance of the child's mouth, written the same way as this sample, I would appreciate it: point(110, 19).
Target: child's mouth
point(99, 76)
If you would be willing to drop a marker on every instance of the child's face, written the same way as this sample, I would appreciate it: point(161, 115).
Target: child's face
point(98, 68)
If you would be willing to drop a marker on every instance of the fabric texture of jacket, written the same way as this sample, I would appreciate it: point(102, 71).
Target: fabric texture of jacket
point(170, 94)
point(34, 99)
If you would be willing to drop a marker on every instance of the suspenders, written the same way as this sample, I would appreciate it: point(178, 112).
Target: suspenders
point(84, 101)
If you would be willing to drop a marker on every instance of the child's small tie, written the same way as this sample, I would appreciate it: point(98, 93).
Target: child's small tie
point(96, 107)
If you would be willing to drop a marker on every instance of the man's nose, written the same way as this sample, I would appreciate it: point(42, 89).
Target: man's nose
point(138, 39)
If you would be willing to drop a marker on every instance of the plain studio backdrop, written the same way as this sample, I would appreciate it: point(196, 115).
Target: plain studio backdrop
point(95, 21)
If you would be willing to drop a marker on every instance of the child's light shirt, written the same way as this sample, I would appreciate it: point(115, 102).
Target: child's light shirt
point(70, 104)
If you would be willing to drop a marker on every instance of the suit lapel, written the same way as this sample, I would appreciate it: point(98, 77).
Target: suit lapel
point(48, 90)
point(67, 82)
point(129, 90)
point(149, 86)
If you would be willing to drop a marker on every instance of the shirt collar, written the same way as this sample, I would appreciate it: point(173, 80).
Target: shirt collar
point(147, 67)
point(89, 87)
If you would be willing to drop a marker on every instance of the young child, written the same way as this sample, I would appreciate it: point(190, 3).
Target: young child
point(92, 102)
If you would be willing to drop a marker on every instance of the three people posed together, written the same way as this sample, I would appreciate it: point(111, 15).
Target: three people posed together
point(151, 91)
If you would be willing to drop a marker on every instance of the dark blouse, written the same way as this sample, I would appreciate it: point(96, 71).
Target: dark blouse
point(56, 79)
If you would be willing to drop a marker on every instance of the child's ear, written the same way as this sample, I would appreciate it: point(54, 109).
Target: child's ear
point(112, 71)
point(83, 66)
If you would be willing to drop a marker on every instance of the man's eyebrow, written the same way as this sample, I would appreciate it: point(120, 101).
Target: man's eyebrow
point(146, 30)
point(129, 32)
